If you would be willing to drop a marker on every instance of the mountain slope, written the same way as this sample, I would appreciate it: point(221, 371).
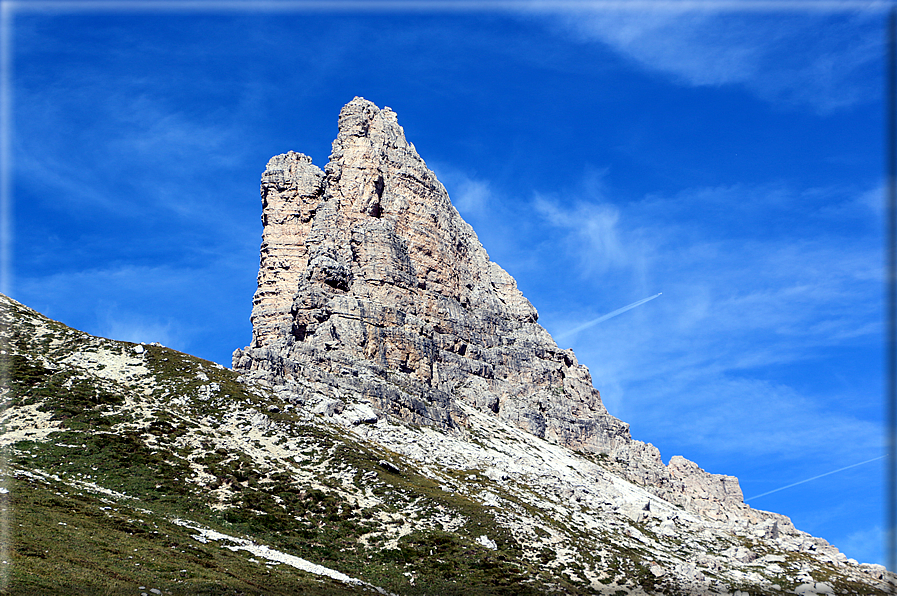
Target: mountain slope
point(124, 461)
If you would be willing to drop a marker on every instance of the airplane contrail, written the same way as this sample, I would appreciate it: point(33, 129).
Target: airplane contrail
point(607, 316)
point(815, 477)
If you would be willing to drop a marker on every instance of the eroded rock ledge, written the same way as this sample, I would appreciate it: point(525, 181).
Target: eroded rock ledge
point(370, 280)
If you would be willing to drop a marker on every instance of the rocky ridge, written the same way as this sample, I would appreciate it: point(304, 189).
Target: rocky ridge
point(370, 276)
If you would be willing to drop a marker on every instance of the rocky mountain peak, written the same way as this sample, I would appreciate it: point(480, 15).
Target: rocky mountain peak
point(371, 281)
point(399, 423)
point(367, 264)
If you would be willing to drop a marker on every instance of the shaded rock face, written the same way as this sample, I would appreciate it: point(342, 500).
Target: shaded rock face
point(370, 280)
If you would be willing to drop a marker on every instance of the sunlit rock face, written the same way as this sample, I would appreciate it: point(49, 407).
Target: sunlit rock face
point(370, 280)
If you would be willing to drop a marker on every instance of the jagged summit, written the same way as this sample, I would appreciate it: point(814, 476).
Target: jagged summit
point(371, 280)
point(368, 264)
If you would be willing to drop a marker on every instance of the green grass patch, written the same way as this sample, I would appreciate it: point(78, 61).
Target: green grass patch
point(78, 544)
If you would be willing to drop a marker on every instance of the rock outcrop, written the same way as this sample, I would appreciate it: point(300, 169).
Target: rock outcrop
point(371, 280)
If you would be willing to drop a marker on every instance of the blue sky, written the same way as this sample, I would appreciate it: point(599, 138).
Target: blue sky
point(731, 159)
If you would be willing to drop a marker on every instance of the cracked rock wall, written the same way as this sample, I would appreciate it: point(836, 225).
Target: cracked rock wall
point(370, 280)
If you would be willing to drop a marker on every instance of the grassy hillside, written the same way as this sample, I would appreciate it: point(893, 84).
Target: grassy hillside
point(100, 465)
point(135, 469)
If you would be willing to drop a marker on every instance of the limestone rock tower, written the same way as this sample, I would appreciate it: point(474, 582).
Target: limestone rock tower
point(370, 280)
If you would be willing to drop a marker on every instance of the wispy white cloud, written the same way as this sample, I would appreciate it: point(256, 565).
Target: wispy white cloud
point(470, 195)
point(826, 61)
point(150, 154)
point(742, 295)
point(594, 234)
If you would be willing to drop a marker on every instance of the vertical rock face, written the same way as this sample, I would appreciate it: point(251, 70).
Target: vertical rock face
point(371, 280)
point(291, 191)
